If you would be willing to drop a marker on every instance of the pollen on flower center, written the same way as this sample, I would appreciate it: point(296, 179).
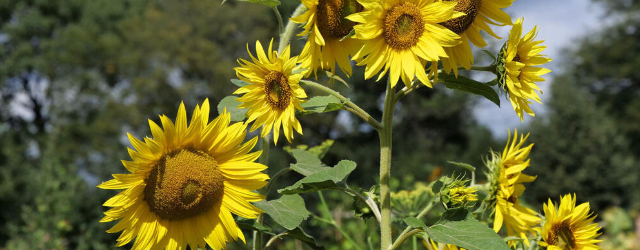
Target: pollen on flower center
point(182, 184)
point(277, 90)
point(470, 8)
point(561, 235)
point(331, 17)
point(403, 26)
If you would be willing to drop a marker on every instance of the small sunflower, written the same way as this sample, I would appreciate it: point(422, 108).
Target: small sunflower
point(519, 58)
point(274, 92)
point(478, 15)
point(185, 184)
point(507, 187)
point(401, 36)
point(326, 25)
point(569, 227)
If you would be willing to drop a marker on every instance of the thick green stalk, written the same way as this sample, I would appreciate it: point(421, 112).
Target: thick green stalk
point(286, 35)
point(264, 159)
point(385, 166)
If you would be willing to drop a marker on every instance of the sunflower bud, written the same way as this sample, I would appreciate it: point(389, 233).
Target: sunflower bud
point(454, 192)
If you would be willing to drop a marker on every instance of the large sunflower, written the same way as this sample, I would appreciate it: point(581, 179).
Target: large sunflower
point(568, 226)
point(401, 36)
point(479, 14)
point(185, 184)
point(326, 25)
point(521, 56)
point(507, 187)
point(274, 92)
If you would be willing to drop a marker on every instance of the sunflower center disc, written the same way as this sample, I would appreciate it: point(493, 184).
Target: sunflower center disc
point(182, 184)
point(331, 17)
point(277, 90)
point(403, 26)
point(461, 24)
point(562, 236)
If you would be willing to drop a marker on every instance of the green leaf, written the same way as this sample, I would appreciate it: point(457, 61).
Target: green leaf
point(270, 3)
point(288, 211)
point(321, 104)
point(231, 104)
point(253, 225)
point(415, 222)
point(336, 77)
point(239, 83)
point(307, 163)
point(458, 227)
point(469, 85)
point(326, 178)
point(304, 237)
point(319, 151)
point(463, 165)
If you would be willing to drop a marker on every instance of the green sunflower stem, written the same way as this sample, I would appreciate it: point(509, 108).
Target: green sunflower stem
point(349, 106)
point(385, 134)
point(285, 36)
point(265, 144)
point(407, 231)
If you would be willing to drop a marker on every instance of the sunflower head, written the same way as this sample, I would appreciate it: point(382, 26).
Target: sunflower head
point(454, 192)
point(518, 69)
point(506, 186)
point(401, 36)
point(274, 93)
point(326, 25)
point(460, 24)
point(185, 183)
point(569, 227)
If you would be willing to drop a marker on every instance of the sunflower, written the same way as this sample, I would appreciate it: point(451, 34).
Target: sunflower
point(185, 183)
point(479, 14)
point(568, 226)
point(326, 25)
point(520, 56)
point(274, 92)
point(401, 36)
point(507, 187)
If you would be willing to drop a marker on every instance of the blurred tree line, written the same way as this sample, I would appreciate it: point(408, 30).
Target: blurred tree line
point(78, 75)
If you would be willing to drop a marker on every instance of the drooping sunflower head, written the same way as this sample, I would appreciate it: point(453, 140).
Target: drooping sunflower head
point(478, 15)
point(326, 25)
point(274, 92)
point(506, 186)
point(400, 36)
point(567, 227)
point(185, 183)
point(518, 68)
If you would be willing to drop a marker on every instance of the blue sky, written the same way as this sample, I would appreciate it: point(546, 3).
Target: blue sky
point(559, 22)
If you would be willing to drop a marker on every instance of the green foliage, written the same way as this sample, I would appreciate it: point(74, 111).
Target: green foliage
point(320, 178)
point(230, 104)
point(288, 211)
point(470, 86)
point(458, 227)
point(319, 151)
point(321, 104)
